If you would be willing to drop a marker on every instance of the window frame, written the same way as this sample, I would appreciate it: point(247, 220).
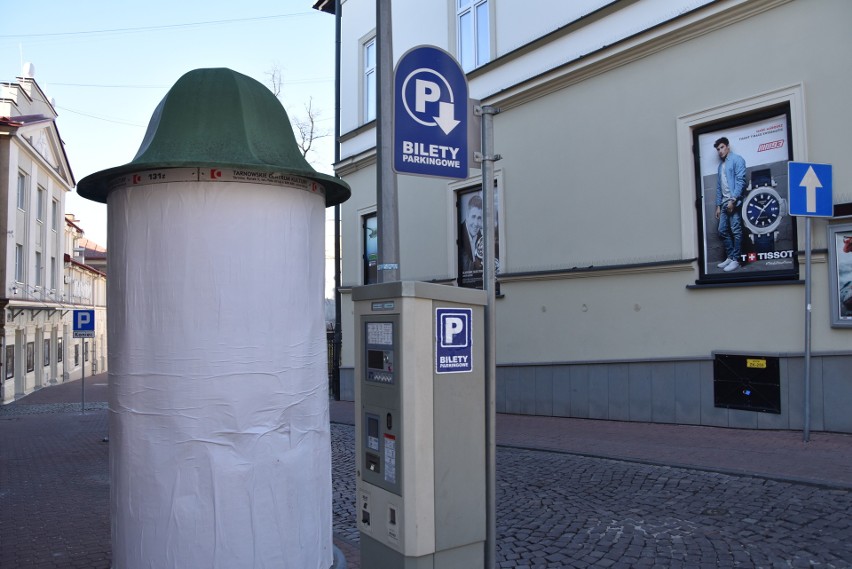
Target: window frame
point(10, 361)
point(23, 187)
point(369, 269)
point(41, 194)
point(19, 263)
point(791, 97)
point(369, 80)
point(54, 212)
point(473, 9)
point(38, 267)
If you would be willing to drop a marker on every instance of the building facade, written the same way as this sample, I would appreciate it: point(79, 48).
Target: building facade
point(42, 277)
point(614, 299)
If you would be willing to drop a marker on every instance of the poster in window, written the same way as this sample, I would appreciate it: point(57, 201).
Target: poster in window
point(371, 249)
point(30, 356)
point(840, 274)
point(747, 233)
point(59, 350)
point(46, 353)
point(470, 243)
point(10, 361)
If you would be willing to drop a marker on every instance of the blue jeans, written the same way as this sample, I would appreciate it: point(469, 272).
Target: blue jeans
point(731, 232)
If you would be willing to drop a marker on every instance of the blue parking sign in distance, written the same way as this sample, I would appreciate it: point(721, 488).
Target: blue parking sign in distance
point(810, 189)
point(84, 323)
point(430, 115)
point(453, 339)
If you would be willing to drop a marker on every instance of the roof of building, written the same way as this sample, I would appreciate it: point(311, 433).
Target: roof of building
point(93, 250)
point(24, 120)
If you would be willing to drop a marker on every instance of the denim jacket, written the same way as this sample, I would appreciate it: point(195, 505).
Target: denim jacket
point(735, 171)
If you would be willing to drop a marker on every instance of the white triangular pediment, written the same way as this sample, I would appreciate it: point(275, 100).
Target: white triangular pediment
point(44, 140)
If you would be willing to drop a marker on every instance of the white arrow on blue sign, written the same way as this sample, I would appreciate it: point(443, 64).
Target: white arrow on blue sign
point(810, 189)
point(84, 324)
point(430, 114)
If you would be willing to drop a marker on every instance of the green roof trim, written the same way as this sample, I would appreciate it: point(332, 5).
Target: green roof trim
point(218, 118)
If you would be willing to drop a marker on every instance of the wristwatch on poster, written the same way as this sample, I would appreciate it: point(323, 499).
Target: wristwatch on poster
point(763, 209)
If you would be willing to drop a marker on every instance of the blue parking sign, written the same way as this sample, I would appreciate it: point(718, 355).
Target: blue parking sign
point(430, 114)
point(84, 324)
point(453, 340)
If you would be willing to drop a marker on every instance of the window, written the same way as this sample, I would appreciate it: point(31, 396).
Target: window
point(76, 354)
point(742, 175)
point(474, 37)
point(22, 191)
point(38, 268)
point(40, 204)
point(370, 225)
point(85, 351)
point(46, 353)
point(19, 262)
point(10, 361)
point(59, 350)
point(53, 273)
point(470, 247)
point(54, 215)
point(369, 80)
point(30, 356)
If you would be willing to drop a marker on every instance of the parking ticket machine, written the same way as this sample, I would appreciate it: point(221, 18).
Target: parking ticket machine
point(419, 426)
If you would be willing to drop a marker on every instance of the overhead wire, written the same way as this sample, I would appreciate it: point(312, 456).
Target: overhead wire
point(152, 28)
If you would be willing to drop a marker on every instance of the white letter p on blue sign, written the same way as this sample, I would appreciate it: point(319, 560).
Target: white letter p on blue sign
point(84, 323)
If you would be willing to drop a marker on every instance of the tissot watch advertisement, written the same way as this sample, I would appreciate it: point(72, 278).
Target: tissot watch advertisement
point(747, 231)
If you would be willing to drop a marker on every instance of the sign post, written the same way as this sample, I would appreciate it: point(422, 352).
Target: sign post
point(84, 327)
point(810, 196)
point(432, 123)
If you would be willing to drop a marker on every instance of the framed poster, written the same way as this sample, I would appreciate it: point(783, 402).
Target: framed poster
point(745, 230)
point(10, 361)
point(470, 245)
point(30, 356)
point(370, 229)
point(840, 274)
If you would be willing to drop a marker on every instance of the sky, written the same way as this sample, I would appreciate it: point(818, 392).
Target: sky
point(108, 64)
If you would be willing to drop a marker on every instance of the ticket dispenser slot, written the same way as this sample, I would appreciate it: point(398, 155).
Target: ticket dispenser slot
point(419, 425)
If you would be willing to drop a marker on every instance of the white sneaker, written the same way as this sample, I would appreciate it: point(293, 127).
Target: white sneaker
point(725, 263)
point(732, 266)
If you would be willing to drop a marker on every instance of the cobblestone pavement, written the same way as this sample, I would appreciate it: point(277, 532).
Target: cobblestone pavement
point(557, 510)
point(54, 488)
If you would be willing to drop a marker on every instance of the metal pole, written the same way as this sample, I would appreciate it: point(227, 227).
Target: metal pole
point(83, 382)
point(338, 307)
point(489, 282)
point(807, 418)
point(387, 208)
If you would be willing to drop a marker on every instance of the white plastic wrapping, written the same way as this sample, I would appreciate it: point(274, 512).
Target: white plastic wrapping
point(219, 429)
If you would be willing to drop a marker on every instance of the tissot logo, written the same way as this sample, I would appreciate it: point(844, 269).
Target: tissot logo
point(770, 145)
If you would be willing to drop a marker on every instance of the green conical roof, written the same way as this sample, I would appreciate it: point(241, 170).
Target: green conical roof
point(218, 118)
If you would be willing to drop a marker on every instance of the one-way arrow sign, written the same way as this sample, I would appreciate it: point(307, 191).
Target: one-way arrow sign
point(810, 189)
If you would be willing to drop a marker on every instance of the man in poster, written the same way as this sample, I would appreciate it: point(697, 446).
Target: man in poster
point(471, 237)
point(730, 184)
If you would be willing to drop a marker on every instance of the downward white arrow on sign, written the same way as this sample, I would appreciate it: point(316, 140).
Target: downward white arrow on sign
point(446, 118)
point(810, 182)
